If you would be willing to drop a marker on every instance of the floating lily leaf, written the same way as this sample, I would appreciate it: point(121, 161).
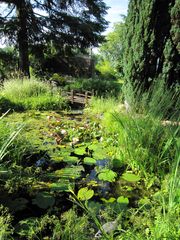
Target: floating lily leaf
point(71, 172)
point(60, 186)
point(80, 151)
point(44, 200)
point(123, 202)
point(99, 153)
point(56, 158)
point(107, 175)
point(71, 159)
point(89, 161)
point(94, 147)
point(130, 177)
point(110, 200)
point(85, 194)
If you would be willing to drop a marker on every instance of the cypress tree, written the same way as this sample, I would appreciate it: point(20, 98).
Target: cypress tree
point(151, 46)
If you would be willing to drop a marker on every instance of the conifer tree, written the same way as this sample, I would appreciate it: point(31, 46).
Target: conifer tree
point(151, 44)
point(76, 23)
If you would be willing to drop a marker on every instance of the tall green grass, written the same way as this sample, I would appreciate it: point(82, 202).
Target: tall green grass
point(159, 101)
point(28, 94)
point(102, 105)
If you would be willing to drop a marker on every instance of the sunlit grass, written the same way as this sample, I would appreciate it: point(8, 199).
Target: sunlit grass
point(28, 94)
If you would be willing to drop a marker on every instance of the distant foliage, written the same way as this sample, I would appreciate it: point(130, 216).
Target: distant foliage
point(111, 53)
point(8, 62)
point(151, 41)
point(101, 87)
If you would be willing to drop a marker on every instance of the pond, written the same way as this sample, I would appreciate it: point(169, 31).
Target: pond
point(67, 155)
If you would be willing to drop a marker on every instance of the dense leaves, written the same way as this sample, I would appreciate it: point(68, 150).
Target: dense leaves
point(151, 41)
point(73, 23)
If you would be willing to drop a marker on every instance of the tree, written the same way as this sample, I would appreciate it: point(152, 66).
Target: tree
point(151, 41)
point(73, 23)
point(111, 51)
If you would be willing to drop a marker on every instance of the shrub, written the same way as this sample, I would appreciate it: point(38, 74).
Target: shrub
point(101, 87)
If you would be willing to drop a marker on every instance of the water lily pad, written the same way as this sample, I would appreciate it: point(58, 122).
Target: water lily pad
point(94, 146)
point(123, 202)
point(85, 194)
point(107, 175)
point(99, 154)
point(60, 186)
point(110, 200)
point(89, 161)
point(130, 177)
point(56, 158)
point(71, 160)
point(70, 172)
point(44, 200)
point(80, 151)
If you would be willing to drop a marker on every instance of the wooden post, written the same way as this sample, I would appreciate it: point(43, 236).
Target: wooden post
point(72, 96)
point(86, 97)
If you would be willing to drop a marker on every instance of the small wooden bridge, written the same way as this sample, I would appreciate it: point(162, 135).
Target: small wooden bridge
point(79, 97)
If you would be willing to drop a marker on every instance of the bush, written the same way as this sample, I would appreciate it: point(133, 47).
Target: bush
point(101, 87)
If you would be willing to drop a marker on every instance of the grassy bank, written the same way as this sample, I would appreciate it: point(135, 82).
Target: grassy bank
point(26, 94)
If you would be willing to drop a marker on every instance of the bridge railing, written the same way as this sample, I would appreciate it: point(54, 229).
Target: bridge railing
point(79, 97)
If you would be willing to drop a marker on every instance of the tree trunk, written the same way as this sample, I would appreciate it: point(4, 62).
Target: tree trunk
point(23, 38)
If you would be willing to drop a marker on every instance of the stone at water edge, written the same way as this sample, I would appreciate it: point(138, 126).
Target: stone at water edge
point(107, 227)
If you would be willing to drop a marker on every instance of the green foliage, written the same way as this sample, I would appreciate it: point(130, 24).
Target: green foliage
point(23, 25)
point(107, 175)
point(130, 177)
point(58, 79)
point(159, 101)
point(72, 227)
point(8, 61)
point(110, 60)
point(6, 229)
point(102, 105)
point(28, 228)
point(26, 94)
point(150, 42)
point(101, 87)
point(85, 194)
point(105, 69)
